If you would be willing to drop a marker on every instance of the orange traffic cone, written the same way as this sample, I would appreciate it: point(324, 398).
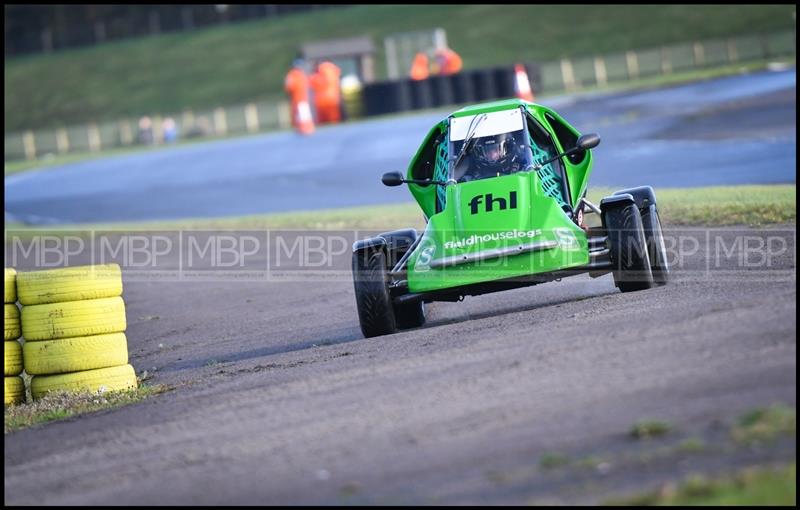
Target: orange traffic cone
point(305, 123)
point(522, 86)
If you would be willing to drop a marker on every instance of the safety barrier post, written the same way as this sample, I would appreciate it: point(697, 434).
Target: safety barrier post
point(93, 134)
point(733, 54)
point(632, 63)
point(62, 140)
point(765, 45)
point(251, 117)
point(666, 62)
point(220, 122)
point(187, 120)
point(699, 54)
point(600, 74)
point(125, 133)
point(391, 59)
point(568, 75)
point(158, 129)
point(284, 115)
point(29, 144)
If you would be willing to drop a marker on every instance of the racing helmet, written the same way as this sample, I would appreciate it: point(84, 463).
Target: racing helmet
point(494, 150)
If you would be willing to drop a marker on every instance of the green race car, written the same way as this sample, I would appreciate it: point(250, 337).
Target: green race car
point(502, 186)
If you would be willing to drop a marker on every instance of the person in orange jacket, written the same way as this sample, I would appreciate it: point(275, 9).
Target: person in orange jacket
point(296, 86)
point(325, 83)
point(419, 67)
point(449, 62)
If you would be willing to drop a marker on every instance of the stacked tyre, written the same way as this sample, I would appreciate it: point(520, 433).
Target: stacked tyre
point(12, 350)
point(73, 322)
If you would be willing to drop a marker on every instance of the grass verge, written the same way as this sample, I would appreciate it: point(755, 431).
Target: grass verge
point(765, 425)
point(553, 460)
point(649, 428)
point(714, 206)
point(708, 206)
point(59, 406)
point(758, 485)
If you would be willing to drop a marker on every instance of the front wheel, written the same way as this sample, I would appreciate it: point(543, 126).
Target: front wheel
point(628, 247)
point(375, 311)
point(655, 244)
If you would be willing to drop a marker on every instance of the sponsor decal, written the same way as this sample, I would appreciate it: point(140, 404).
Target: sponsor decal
point(424, 259)
point(566, 239)
point(489, 202)
point(494, 236)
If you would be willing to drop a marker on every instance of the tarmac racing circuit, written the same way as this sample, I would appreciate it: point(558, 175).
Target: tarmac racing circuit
point(736, 130)
point(278, 399)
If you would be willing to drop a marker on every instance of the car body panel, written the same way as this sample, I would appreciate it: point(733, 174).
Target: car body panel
point(499, 227)
point(457, 233)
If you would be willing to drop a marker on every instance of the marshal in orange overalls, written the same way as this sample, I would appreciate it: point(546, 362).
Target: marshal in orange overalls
point(327, 92)
point(419, 67)
point(296, 86)
point(449, 62)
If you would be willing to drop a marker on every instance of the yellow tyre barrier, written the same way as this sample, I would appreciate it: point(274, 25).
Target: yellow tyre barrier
point(11, 322)
point(14, 390)
point(10, 280)
point(69, 284)
point(65, 355)
point(12, 353)
point(73, 318)
point(107, 379)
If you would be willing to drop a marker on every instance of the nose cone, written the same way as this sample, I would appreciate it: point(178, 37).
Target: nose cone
point(492, 205)
point(493, 229)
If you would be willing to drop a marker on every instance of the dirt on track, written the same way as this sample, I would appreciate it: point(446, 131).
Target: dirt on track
point(278, 399)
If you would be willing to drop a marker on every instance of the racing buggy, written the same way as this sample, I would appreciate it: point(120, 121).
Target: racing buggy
point(502, 186)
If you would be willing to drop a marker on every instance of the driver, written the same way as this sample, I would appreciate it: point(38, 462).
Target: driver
point(496, 155)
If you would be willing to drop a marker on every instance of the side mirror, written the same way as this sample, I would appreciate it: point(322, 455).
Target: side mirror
point(585, 142)
point(392, 179)
point(588, 141)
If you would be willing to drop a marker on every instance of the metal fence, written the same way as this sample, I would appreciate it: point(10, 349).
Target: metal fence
point(567, 74)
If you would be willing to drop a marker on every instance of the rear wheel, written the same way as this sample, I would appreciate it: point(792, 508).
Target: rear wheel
point(628, 247)
point(375, 311)
point(655, 244)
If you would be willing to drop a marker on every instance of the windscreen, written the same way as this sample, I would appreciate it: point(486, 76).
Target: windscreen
point(496, 145)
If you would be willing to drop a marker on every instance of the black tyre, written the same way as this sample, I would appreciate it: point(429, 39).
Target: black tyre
point(655, 244)
point(375, 312)
point(628, 248)
point(410, 315)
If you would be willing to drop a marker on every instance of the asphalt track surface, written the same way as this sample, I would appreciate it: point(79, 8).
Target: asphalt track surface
point(735, 130)
point(278, 399)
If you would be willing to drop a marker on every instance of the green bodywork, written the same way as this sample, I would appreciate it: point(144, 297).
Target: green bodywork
point(458, 230)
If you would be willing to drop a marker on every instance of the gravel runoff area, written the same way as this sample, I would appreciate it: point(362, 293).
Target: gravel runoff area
point(278, 399)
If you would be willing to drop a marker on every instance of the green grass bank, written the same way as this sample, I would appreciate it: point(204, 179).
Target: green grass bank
point(247, 61)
